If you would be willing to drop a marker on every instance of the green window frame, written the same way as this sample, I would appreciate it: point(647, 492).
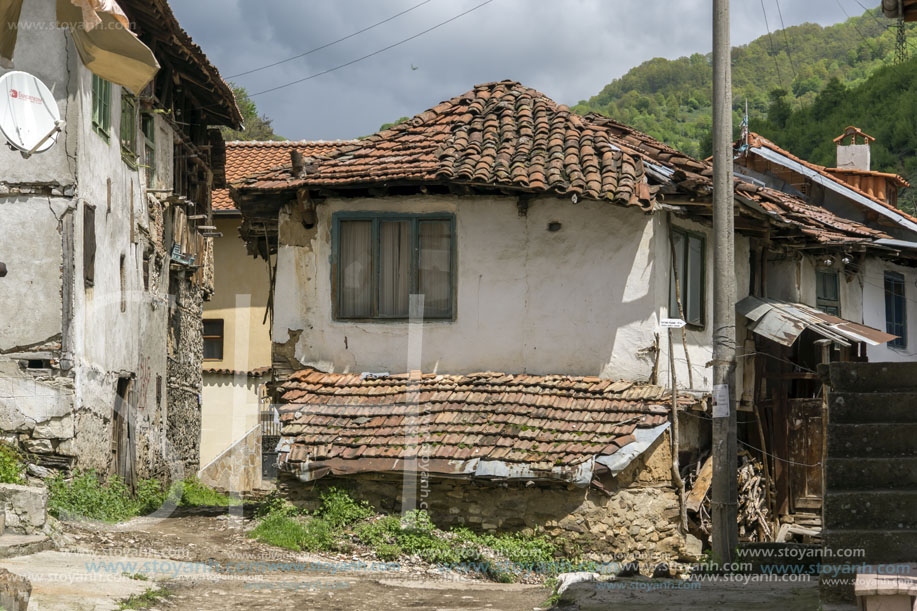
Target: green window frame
point(827, 292)
point(689, 250)
point(101, 106)
point(896, 309)
point(148, 127)
point(128, 133)
point(380, 259)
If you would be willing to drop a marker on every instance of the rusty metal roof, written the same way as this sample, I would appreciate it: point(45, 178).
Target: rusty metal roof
point(489, 425)
point(784, 322)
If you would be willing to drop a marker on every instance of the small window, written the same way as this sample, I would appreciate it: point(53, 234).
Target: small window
point(382, 260)
point(128, 130)
point(895, 309)
point(122, 275)
point(148, 127)
point(89, 245)
point(213, 340)
point(689, 264)
point(101, 106)
point(827, 293)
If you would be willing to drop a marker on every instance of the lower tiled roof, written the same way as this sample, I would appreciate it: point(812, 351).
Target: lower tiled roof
point(551, 426)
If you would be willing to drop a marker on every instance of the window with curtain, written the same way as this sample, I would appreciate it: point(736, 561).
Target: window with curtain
point(896, 309)
point(827, 292)
point(382, 259)
point(689, 269)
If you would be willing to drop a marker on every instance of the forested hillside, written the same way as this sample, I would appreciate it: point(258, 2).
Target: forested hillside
point(884, 106)
point(670, 99)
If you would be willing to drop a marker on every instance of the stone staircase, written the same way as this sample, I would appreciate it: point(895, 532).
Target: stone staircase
point(870, 468)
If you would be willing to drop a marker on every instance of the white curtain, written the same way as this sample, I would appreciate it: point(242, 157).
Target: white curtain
point(395, 258)
point(435, 268)
point(356, 269)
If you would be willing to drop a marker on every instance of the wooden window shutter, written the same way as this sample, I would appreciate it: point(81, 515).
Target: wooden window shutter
point(89, 245)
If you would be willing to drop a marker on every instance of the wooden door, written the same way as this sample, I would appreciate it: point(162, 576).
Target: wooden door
point(123, 432)
point(805, 453)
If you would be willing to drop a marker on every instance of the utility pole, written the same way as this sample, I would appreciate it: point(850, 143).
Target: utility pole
point(724, 488)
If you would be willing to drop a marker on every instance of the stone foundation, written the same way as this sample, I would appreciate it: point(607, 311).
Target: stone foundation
point(638, 516)
point(25, 508)
point(238, 469)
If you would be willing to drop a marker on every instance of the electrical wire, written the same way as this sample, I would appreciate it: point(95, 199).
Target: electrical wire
point(786, 38)
point(332, 43)
point(770, 37)
point(374, 53)
point(784, 460)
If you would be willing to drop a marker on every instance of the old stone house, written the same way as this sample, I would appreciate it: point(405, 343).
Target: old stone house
point(470, 302)
point(105, 242)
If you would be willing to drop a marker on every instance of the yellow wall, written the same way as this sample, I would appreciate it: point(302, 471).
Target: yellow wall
point(237, 275)
point(229, 411)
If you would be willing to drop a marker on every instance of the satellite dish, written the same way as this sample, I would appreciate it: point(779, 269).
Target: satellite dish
point(29, 117)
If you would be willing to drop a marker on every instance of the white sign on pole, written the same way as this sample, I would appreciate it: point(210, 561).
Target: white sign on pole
point(672, 323)
point(720, 401)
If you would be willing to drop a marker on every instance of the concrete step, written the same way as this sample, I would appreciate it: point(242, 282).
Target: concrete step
point(877, 546)
point(878, 407)
point(12, 545)
point(872, 440)
point(872, 377)
point(845, 474)
point(890, 510)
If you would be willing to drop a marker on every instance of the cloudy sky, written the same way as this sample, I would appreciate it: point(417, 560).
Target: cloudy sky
point(568, 49)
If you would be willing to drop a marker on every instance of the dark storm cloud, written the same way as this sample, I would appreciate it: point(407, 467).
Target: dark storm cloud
point(567, 49)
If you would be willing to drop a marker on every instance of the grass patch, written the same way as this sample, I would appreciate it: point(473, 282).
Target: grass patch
point(341, 521)
point(294, 532)
point(11, 466)
point(196, 494)
point(145, 600)
point(88, 496)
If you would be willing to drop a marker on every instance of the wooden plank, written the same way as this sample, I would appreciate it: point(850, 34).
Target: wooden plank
point(696, 497)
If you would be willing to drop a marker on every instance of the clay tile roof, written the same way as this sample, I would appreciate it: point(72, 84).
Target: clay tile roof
point(244, 158)
point(696, 177)
point(544, 426)
point(254, 373)
point(501, 135)
point(755, 140)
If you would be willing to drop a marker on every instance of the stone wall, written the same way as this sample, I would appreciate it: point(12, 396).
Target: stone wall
point(184, 377)
point(637, 516)
point(238, 468)
point(25, 508)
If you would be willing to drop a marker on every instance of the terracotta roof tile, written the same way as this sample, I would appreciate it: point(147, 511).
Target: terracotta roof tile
point(692, 175)
point(245, 158)
point(498, 134)
point(755, 140)
point(493, 415)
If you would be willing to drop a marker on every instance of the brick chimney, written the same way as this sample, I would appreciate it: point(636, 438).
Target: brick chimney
point(851, 154)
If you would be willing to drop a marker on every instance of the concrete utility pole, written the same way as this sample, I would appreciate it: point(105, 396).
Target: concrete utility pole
point(723, 493)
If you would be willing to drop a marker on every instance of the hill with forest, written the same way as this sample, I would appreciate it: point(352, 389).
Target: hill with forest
point(671, 99)
point(884, 106)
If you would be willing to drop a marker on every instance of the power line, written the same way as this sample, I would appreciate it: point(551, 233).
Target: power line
point(786, 38)
point(773, 47)
point(333, 42)
point(374, 53)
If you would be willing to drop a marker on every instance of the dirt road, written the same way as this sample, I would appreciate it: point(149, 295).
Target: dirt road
point(205, 562)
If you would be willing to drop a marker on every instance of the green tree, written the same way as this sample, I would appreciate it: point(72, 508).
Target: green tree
point(257, 126)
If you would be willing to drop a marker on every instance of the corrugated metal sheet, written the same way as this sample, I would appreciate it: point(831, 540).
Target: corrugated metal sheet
point(784, 322)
